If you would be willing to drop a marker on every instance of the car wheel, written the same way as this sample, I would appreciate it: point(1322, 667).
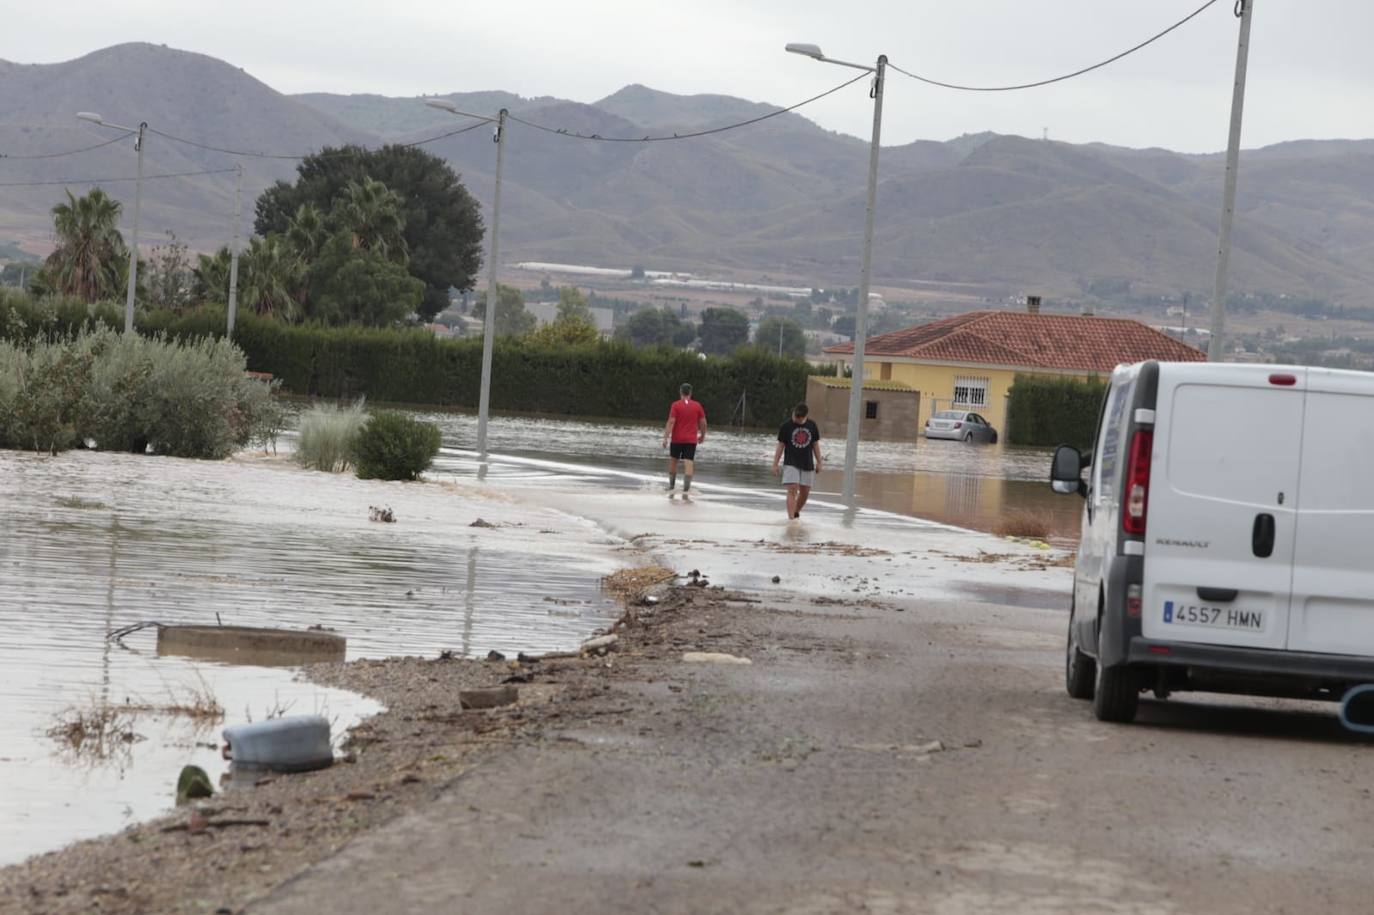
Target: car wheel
point(1116, 692)
point(993, 439)
point(1080, 671)
point(968, 436)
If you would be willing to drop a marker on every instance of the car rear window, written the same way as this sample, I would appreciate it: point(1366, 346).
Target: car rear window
point(948, 414)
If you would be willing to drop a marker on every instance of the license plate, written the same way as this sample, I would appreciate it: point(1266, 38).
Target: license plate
point(1183, 614)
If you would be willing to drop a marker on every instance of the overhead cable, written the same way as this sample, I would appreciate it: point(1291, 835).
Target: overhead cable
point(696, 133)
point(295, 156)
point(1057, 79)
point(71, 152)
point(213, 171)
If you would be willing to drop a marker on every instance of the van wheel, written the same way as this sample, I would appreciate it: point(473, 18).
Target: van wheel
point(1080, 671)
point(1116, 694)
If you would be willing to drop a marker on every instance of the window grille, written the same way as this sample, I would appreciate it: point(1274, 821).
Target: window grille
point(970, 391)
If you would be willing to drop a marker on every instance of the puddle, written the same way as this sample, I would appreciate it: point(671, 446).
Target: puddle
point(90, 543)
point(1030, 598)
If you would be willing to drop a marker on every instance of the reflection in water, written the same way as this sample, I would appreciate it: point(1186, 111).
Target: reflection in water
point(91, 543)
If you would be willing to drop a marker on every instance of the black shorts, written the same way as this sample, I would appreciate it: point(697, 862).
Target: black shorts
point(682, 451)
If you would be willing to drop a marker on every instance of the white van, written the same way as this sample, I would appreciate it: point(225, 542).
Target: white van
point(1228, 530)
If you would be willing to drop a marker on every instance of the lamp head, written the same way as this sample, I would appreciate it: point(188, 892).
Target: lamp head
point(442, 104)
point(90, 116)
point(808, 50)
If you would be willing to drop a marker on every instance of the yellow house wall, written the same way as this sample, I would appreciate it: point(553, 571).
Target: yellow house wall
point(936, 384)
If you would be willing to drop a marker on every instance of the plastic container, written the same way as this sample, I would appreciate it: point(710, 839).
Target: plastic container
point(294, 744)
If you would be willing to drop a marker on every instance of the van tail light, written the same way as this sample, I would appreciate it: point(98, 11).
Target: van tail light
point(1138, 482)
point(1283, 379)
point(1133, 601)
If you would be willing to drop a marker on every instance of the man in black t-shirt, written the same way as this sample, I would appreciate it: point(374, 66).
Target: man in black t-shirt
point(800, 441)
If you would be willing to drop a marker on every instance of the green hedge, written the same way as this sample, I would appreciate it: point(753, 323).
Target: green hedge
point(1053, 411)
point(412, 366)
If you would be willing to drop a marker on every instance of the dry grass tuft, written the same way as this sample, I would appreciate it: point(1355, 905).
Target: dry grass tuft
point(1023, 524)
point(633, 584)
point(96, 732)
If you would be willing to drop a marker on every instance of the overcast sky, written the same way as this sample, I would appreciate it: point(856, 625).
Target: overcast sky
point(1311, 70)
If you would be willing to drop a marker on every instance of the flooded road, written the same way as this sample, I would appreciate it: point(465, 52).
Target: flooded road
point(974, 486)
point(93, 542)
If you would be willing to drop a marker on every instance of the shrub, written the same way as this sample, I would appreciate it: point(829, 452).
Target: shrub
point(328, 436)
point(1053, 411)
point(127, 392)
point(392, 446)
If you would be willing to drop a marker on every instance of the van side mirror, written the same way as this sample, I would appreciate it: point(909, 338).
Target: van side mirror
point(1066, 471)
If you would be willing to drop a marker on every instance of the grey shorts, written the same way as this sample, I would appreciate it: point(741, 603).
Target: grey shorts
point(795, 475)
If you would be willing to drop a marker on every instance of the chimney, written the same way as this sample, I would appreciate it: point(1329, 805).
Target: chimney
point(1088, 311)
point(1033, 304)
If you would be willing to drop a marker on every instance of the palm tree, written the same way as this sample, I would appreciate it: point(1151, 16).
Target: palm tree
point(272, 276)
point(212, 276)
point(307, 232)
point(371, 213)
point(90, 259)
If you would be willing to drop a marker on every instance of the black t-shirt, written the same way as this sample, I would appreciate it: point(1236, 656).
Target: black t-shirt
point(797, 439)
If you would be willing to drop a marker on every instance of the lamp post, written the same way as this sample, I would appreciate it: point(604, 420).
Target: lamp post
point(489, 322)
point(138, 202)
point(851, 445)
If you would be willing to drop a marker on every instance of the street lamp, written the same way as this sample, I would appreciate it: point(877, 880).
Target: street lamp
point(851, 445)
point(489, 324)
point(138, 202)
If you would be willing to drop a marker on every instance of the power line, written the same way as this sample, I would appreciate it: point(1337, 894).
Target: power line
point(213, 171)
point(296, 156)
point(564, 132)
point(1056, 79)
point(70, 152)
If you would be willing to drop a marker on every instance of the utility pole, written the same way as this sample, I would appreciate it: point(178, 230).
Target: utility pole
point(234, 252)
point(1228, 199)
point(489, 325)
point(133, 247)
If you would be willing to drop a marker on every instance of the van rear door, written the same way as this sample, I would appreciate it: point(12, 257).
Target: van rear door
point(1333, 577)
point(1221, 522)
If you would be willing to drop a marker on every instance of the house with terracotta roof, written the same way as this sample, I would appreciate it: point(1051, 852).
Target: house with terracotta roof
point(968, 362)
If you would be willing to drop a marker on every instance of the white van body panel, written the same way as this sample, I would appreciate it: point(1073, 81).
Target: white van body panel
point(1333, 569)
point(1227, 449)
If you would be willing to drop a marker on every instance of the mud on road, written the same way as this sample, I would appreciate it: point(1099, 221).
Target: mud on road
point(890, 756)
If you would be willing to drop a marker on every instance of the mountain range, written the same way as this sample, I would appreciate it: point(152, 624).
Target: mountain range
point(782, 198)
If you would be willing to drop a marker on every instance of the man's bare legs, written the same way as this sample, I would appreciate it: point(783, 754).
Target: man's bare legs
point(672, 472)
point(687, 467)
point(792, 496)
point(802, 493)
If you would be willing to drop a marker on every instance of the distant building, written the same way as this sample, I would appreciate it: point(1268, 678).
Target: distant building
point(968, 362)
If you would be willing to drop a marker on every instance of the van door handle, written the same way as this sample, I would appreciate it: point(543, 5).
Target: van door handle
point(1262, 538)
point(1218, 595)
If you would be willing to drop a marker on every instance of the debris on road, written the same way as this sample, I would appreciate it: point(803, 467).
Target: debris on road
point(490, 697)
point(383, 515)
point(713, 657)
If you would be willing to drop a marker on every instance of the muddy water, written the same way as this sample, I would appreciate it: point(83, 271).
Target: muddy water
point(975, 486)
point(90, 543)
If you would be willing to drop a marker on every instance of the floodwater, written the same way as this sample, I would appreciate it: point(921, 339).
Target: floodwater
point(93, 542)
point(973, 486)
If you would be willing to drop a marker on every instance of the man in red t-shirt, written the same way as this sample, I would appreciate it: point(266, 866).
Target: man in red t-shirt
point(686, 429)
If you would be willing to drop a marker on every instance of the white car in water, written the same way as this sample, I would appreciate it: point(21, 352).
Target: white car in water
point(960, 426)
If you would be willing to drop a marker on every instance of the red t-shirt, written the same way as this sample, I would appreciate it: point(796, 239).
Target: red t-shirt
point(685, 414)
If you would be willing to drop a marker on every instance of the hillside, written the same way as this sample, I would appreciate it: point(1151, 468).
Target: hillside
point(189, 95)
point(782, 198)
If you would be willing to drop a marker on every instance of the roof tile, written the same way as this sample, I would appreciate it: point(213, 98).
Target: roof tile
point(1021, 339)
